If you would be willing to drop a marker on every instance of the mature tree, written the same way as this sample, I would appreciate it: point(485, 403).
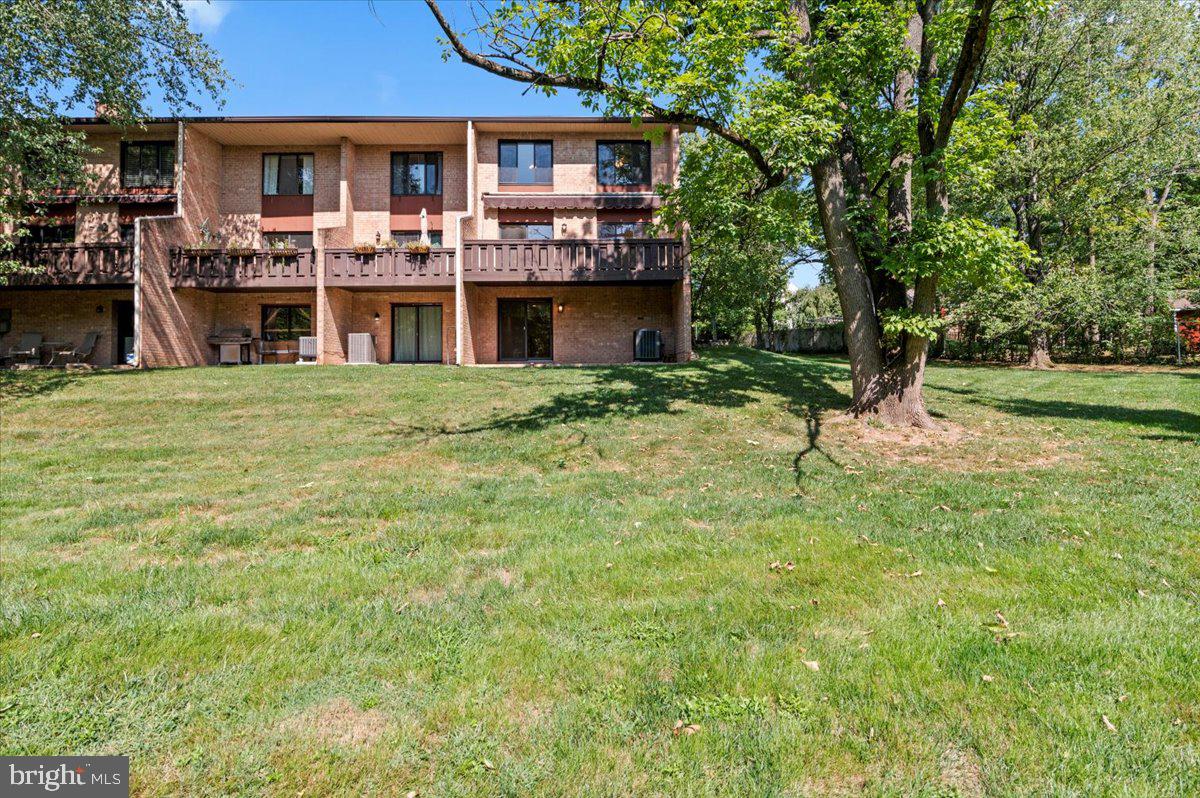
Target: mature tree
point(113, 55)
point(1106, 94)
point(875, 101)
point(743, 242)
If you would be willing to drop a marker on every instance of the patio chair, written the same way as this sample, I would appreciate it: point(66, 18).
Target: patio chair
point(80, 354)
point(29, 348)
point(276, 349)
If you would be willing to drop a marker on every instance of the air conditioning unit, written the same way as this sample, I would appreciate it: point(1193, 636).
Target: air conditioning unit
point(362, 349)
point(308, 349)
point(647, 345)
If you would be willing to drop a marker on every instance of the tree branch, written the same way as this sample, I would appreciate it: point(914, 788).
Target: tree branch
point(597, 85)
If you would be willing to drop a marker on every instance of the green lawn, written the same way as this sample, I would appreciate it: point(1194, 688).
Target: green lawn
point(466, 582)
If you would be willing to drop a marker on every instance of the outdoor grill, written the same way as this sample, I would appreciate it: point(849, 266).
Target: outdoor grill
point(231, 344)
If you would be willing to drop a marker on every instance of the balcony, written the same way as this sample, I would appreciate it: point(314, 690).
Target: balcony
point(244, 270)
point(389, 268)
point(573, 261)
point(73, 265)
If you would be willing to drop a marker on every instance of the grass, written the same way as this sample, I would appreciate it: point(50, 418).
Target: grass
point(510, 582)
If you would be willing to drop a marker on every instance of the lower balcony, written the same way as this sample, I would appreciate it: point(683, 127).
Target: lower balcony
point(389, 268)
point(73, 265)
point(244, 270)
point(571, 261)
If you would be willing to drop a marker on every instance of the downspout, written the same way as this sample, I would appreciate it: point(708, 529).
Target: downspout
point(137, 246)
point(460, 300)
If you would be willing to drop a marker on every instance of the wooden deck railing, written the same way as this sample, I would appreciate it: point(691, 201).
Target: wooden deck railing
point(264, 269)
point(619, 260)
point(389, 268)
point(73, 264)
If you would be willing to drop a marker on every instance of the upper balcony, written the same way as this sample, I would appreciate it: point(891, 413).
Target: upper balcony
point(244, 269)
point(73, 265)
point(389, 268)
point(572, 261)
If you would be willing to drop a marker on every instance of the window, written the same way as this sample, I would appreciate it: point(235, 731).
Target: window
point(623, 163)
point(289, 174)
point(286, 322)
point(416, 333)
point(126, 233)
point(50, 234)
point(416, 173)
point(533, 232)
point(526, 163)
point(526, 329)
point(623, 230)
point(297, 240)
point(404, 236)
point(147, 164)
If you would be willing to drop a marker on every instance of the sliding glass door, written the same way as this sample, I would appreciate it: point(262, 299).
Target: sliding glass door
point(416, 333)
point(526, 329)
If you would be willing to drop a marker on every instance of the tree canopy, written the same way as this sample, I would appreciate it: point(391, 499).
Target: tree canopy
point(117, 56)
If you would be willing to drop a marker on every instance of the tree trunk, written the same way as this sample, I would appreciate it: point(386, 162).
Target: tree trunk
point(1039, 350)
point(892, 395)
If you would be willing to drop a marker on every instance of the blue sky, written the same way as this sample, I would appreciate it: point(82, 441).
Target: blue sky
point(339, 58)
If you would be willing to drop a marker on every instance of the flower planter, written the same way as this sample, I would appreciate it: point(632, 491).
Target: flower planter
point(364, 249)
point(241, 252)
point(284, 252)
point(201, 250)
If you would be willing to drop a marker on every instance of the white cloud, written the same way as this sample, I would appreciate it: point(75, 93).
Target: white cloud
point(207, 15)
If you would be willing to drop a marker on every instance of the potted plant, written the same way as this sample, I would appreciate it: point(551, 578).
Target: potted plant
point(240, 251)
point(390, 244)
point(280, 249)
point(364, 249)
point(417, 248)
point(208, 244)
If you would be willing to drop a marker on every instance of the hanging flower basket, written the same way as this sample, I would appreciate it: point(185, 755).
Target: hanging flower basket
point(364, 249)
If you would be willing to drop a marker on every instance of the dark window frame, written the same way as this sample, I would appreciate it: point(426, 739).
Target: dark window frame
point(549, 225)
point(267, 234)
point(500, 148)
point(649, 181)
point(262, 171)
point(162, 181)
point(500, 302)
point(404, 236)
point(265, 309)
point(441, 160)
point(441, 330)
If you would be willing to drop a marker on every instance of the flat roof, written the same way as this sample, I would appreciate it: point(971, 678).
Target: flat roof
point(96, 120)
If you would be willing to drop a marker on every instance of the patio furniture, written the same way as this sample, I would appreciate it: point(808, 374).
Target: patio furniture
point(72, 354)
point(29, 348)
point(268, 347)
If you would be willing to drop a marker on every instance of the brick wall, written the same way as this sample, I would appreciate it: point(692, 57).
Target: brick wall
point(367, 303)
point(597, 323)
point(240, 200)
point(373, 189)
point(66, 315)
point(574, 173)
point(174, 324)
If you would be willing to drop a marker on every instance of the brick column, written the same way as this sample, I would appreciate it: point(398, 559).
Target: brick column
point(681, 300)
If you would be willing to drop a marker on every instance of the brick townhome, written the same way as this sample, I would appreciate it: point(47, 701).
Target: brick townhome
point(540, 233)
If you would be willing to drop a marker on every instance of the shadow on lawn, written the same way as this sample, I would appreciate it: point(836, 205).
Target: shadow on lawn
point(735, 378)
point(1169, 420)
point(25, 383)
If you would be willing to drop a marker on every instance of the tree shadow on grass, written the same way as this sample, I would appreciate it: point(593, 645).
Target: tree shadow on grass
point(731, 377)
point(1168, 420)
point(26, 383)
